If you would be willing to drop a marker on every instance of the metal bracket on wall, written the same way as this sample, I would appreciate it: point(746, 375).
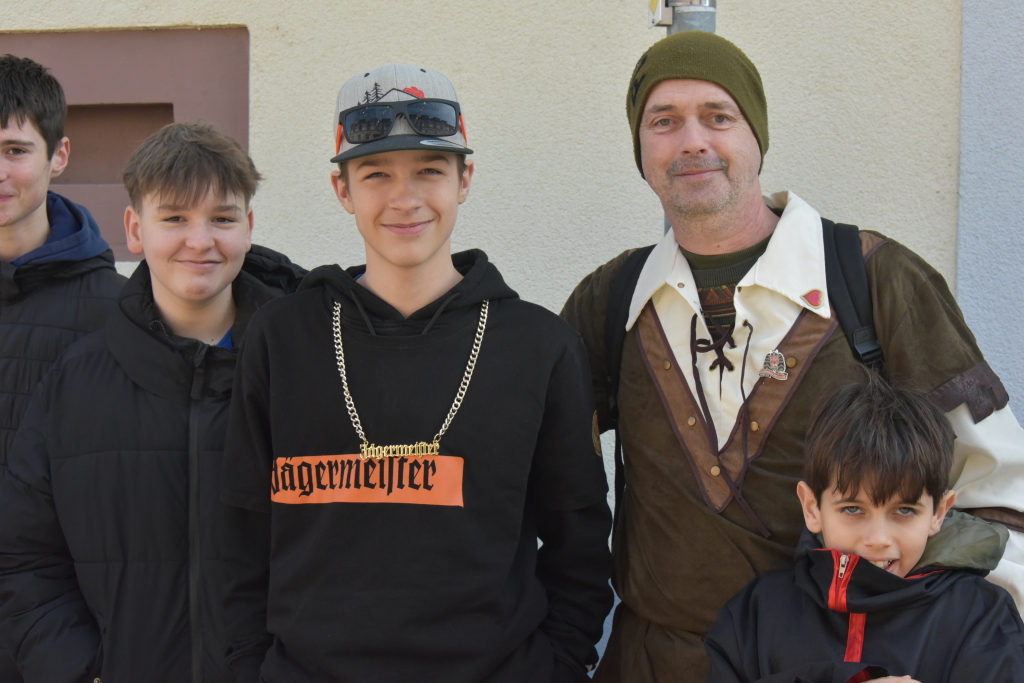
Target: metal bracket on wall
point(692, 15)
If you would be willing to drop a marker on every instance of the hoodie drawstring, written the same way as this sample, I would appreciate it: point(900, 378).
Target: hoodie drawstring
point(366, 318)
point(440, 309)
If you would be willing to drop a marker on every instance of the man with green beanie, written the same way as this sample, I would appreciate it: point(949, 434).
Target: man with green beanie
point(731, 339)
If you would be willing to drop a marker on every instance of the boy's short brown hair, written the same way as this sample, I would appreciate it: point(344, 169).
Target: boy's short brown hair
point(28, 91)
point(885, 439)
point(182, 162)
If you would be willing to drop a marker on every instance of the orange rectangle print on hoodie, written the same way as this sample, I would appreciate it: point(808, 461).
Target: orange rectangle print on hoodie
point(429, 480)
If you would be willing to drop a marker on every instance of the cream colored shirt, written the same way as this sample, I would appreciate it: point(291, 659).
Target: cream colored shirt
point(787, 279)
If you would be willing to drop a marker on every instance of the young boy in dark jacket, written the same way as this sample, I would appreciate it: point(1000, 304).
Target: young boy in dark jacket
point(110, 550)
point(402, 435)
point(886, 586)
point(57, 277)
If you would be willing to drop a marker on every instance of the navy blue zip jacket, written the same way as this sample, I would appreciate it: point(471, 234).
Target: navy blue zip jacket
point(835, 618)
point(110, 549)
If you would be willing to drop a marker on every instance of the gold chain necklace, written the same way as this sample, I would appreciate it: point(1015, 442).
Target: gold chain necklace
point(421, 448)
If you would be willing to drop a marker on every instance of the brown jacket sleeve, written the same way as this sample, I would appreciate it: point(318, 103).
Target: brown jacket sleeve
point(924, 337)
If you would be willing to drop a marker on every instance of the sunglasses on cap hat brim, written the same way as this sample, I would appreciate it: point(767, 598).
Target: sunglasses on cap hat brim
point(371, 122)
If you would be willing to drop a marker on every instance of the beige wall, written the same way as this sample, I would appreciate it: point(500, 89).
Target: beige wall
point(863, 111)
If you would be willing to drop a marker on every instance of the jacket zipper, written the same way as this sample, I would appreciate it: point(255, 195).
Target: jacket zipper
point(841, 576)
point(194, 559)
point(844, 565)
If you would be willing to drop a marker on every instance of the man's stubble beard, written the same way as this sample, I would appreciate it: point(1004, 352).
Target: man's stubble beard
point(690, 207)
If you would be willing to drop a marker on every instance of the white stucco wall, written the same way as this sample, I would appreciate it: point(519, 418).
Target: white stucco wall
point(863, 113)
point(863, 107)
point(990, 252)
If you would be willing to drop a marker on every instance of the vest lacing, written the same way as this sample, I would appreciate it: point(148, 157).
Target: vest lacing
point(722, 364)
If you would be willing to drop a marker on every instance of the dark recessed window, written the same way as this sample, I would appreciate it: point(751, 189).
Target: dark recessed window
point(104, 135)
point(123, 85)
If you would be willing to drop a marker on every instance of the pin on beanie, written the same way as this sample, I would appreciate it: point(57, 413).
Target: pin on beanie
point(704, 57)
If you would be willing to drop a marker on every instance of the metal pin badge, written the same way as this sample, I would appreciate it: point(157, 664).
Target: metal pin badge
point(774, 366)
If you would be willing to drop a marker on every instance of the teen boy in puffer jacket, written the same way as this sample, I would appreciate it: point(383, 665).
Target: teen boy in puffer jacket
point(886, 586)
point(110, 553)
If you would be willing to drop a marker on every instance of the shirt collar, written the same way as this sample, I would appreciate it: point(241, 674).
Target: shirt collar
point(658, 267)
point(793, 265)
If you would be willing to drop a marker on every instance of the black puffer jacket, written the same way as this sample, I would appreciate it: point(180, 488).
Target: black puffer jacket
point(49, 298)
point(110, 560)
point(834, 618)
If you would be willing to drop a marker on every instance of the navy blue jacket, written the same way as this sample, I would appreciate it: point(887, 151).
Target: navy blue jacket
point(835, 618)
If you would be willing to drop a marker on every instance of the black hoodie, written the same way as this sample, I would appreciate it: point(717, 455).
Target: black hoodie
point(835, 618)
point(110, 550)
point(414, 569)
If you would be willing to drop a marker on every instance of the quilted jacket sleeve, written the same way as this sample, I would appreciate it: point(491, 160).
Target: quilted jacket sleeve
point(44, 620)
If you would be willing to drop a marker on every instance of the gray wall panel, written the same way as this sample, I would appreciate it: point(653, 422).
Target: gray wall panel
point(990, 256)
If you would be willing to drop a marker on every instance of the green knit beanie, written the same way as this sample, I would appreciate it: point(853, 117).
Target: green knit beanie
point(703, 57)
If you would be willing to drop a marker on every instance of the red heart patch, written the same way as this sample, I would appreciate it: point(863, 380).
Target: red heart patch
point(813, 297)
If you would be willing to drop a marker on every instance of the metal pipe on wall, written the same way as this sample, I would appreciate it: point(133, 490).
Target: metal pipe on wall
point(692, 15)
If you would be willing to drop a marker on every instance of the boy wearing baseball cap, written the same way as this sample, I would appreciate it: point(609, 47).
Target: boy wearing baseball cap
point(404, 433)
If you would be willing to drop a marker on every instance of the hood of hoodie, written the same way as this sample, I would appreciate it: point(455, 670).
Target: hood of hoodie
point(164, 363)
point(842, 582)
point(74, 247)
point(74, 234)
point(371, 314)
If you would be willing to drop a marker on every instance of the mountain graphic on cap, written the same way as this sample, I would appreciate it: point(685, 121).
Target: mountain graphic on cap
point(378, 128)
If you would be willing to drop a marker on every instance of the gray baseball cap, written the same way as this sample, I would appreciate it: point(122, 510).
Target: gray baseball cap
point(396, 83)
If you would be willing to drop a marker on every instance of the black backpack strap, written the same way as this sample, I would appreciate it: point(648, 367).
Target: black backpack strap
point(849, 292)
point(616, 315)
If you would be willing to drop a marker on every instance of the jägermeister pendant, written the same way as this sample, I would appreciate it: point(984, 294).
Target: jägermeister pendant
point(416, 450)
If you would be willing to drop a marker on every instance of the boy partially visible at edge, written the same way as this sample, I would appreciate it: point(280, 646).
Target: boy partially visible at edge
point(887, 586)
point(57, 277)
point(402, 435)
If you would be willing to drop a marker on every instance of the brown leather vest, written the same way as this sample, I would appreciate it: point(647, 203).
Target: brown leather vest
point(719, 472)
